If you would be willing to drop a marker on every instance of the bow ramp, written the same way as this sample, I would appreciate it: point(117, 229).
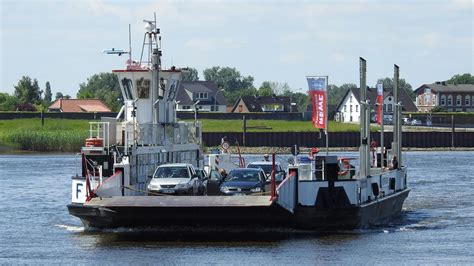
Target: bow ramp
point(136, 211)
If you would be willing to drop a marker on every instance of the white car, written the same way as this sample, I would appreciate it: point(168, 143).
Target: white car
point(415, 122)
point(175, 179)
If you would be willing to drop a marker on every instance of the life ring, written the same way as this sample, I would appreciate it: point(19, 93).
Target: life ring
point(313, 152)
point(94, 142)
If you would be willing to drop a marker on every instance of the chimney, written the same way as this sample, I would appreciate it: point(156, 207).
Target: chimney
point(60, 104)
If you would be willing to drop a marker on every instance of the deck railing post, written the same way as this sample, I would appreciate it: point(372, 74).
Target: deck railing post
point(273, 186)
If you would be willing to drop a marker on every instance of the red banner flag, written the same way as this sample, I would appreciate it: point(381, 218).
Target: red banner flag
point(317, 92)
point(379, 103)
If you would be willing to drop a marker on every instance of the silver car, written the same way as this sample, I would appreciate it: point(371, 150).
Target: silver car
point(175, 179)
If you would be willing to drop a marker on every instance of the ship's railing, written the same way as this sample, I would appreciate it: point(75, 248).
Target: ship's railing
point(100, 130)
point(150, 134)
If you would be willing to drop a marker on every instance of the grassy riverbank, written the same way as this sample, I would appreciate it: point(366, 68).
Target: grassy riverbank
point(273, 125)
point(64, 135)
point(57, 135)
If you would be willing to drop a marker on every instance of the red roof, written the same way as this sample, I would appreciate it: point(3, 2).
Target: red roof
point(78, 106)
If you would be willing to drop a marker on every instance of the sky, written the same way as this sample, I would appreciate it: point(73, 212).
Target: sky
point(282, 41)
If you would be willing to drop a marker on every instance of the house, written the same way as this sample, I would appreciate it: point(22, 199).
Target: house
point(78, 106)
point(250, 104)
point(453, 98)
point(205, 93)
point(348, 109)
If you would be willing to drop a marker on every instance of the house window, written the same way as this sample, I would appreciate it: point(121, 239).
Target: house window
point(345, 108)
point(389, 106)
point(458, 100)
point(467, 101)
point(450, 100)
point(350, 119)
point(357, 108)
point(186, 107)
point(200, 95)
point(443, 100)
point(472, 100)
point(350, 99)
point(350, 108)
point(214, 108)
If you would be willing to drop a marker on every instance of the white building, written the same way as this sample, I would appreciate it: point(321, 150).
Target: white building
point(348, 109)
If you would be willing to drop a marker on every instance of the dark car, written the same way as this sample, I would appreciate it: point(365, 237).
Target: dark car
point(212, 183)
point(244, 181)
point(267, 168)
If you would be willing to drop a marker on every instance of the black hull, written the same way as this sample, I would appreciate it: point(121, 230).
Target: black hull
point(271, 216)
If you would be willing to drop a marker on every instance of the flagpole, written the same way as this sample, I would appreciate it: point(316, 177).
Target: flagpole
point(327, 112)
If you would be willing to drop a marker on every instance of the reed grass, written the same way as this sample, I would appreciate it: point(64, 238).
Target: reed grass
point(56, 134)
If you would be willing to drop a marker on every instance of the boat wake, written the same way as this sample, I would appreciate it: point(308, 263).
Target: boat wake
point(71, 228)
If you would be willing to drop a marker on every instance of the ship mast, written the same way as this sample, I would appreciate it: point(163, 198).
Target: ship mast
point(153, 47)
point(364, 153)
point(397, 127)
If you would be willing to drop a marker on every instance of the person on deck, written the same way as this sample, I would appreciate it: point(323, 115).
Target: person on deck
point(344, 170)
point(394, 163)
point(266, 157)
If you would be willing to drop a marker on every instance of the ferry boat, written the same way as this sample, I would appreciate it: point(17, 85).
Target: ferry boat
point(317, 193)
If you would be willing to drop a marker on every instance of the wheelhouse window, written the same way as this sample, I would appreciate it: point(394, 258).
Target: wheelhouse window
point(143, 88)
point(127, 88)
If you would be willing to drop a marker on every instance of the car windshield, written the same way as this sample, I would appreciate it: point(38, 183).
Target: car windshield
point(267, 168)
point(171, 172)
point(243, 176)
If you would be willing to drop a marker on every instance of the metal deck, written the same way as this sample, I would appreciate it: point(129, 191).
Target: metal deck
point(181, 201)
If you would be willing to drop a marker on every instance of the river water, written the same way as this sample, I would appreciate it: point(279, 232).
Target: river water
point(436, 225)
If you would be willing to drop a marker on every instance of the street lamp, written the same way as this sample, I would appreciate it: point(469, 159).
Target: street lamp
point(215, 99)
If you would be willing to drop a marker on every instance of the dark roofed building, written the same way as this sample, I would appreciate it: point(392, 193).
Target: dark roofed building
point(205, 93)
point(246, 104)
point(453, 98)
point(348, 109)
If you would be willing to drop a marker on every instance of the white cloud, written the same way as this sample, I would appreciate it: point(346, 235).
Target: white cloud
point(214, 43)
point(292, 57)
point(430, 40)
point(338, 57)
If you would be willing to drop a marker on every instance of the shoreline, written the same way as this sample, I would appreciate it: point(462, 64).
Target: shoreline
point(6, 150)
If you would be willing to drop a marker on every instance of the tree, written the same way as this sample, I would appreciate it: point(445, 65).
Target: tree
point(8, 102)
point(402, 84)
point(231, 81)
point(59, 95)
point(335, 93)
point(103, 86)
point(28, 91)
point(461, 79)
point(47, 93)
point(191, 74)
point(228, 78)
point(265, 89)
